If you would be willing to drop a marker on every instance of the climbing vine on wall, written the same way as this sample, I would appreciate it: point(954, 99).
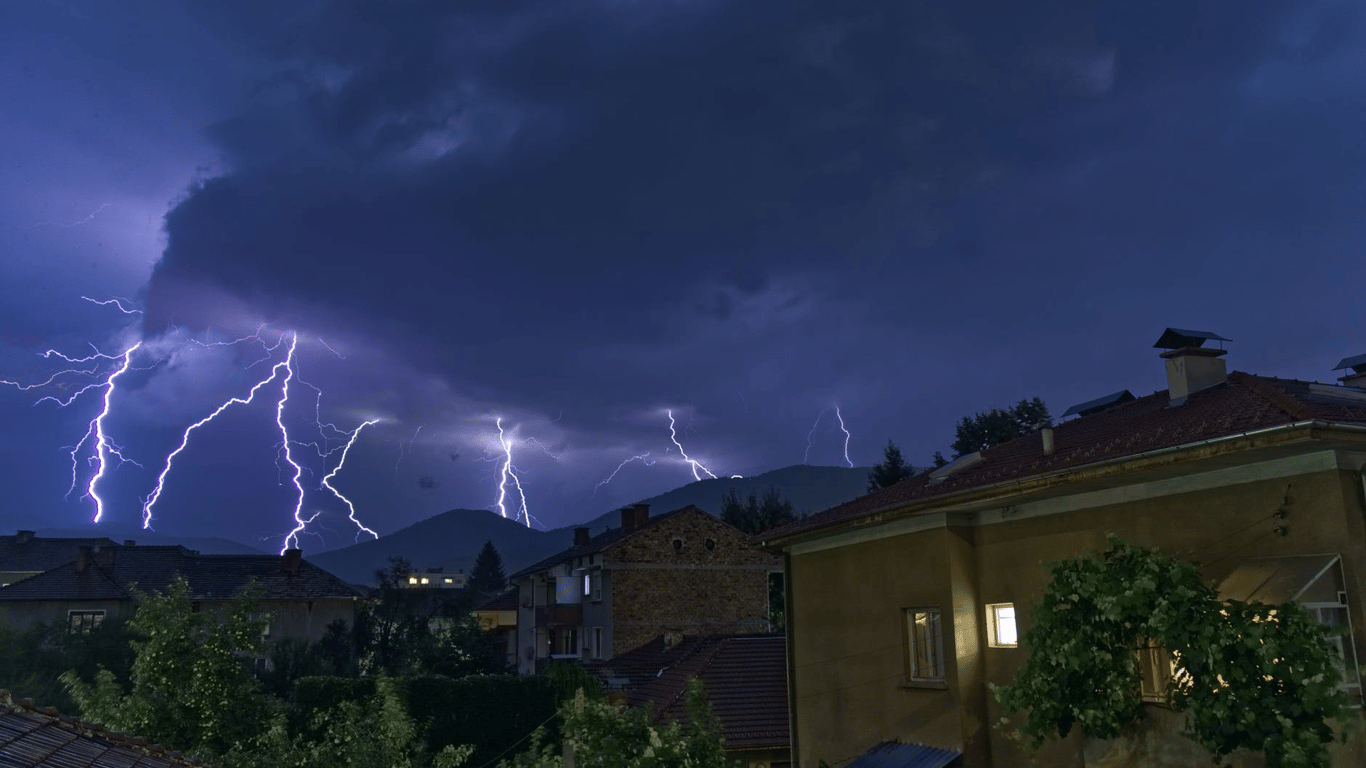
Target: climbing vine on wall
point(1248, 675)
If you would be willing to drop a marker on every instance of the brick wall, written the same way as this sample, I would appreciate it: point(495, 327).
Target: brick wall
point(691, 588)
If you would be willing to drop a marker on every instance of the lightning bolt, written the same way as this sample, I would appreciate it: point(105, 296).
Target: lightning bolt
point(845, 430)
point(160, 485)
point(641, 458)
point(104, 448)
point(509, 472)
point(809, 435)
point(327, 480)
point(696, 465)
point(410, 447)
point(292, 540)
point(116, 302)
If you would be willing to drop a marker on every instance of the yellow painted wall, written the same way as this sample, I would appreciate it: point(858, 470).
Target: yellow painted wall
point(848, 644)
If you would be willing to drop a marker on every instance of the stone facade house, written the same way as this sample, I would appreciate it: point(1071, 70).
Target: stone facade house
point(300, 598)
point(905, 604)
point(682, 572)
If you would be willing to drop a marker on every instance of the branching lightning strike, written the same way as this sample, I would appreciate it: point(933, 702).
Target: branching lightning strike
point(693, 463)
point(642, 458)
point(845, 430)
point(327, 480)
point(509, 472)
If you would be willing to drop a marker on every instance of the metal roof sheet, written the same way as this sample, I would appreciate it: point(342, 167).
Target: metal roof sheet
point(1356, 363)
point(1176, 338)
point(1100, 403)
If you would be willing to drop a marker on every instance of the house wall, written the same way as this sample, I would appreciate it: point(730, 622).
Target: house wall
point(19, 615)
point(307, 619)
point(692, 589)
point(848, 642)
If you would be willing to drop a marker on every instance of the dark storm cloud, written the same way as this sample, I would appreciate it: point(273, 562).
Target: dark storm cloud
point(602, 209)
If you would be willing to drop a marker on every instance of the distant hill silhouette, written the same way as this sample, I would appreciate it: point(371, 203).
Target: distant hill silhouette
point(202, 544)
point(452, 539)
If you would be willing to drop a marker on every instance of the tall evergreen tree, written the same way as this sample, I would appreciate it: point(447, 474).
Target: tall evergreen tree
point(891, 471)
point(487, 574)
point(984, 430)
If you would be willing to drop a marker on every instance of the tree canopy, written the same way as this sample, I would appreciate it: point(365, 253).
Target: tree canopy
point(754, 515)
point(1250, 676)
point(996, 426)
point(891, 471)
point(487, 574)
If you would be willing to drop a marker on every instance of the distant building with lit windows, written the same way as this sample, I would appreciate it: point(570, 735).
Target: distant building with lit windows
point(436, 578)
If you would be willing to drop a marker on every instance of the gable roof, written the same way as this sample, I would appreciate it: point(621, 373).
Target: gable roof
point(601, 541)
point(38, 553)
point(1243, 404)
point(151, 569)
point(745, 678)
point(44, 738)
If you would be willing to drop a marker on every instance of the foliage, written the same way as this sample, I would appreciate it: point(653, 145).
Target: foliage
point(996, 426)
point(1250, 676)
point(891, 471)
point(610, 736)
point(754, 515)
point(32, 660)
point(487, 575)
point(392, 628)
point(490, 713)
point(188, 670)
point(353, 734)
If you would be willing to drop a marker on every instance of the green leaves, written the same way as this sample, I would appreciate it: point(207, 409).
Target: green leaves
point(1250, 676)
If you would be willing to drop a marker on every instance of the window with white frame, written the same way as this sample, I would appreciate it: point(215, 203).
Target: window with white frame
point(924, 645)
point(84, 622)
point(1001, 626)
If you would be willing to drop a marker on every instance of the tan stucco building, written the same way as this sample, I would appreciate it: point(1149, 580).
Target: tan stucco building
point(904, 604)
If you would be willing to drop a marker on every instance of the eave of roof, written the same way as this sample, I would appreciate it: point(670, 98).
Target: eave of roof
point(1302, 419)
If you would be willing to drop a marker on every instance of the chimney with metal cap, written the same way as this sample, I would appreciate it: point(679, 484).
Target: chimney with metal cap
point(1191, 368)
point(1357, 378)
point(23, 537)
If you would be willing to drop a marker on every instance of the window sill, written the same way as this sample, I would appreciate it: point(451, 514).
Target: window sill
point(927, 685)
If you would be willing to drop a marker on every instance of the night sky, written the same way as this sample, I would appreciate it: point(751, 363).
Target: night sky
point(576, 216)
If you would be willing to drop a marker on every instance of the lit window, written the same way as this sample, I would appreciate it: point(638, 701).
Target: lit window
point(84, 622)
point(424, 580)
point(925, 651)
point(587, 584)
point(412, 579)
point(450, 581)
point(1001, 626)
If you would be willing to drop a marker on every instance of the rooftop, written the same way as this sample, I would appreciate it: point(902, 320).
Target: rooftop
point(26, 552)
point(745, 678)
point(599, 542)
point(44, 738)
point(1243, 404)
point(151, 569)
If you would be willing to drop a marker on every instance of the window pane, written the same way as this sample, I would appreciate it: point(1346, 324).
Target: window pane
point(1005, 625)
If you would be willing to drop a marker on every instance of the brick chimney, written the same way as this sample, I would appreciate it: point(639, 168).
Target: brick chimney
point(580, 536)
point(1357, 378)
point(82, 559)
point(292, 561)
point(634, 516)
point(104, 556)
point(1190, 367)
point(23, 537)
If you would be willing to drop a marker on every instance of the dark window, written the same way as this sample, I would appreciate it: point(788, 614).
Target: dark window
point(711, 544)
point(84, 622)
point(678, 545)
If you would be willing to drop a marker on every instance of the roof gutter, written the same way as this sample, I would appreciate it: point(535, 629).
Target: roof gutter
point(1156, 452)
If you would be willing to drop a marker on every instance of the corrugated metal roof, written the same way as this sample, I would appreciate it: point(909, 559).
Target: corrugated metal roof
point(1357, 364)
point(895, 754)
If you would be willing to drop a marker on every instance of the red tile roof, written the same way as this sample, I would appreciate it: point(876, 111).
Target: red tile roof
point(44, 738)
point(745, 678)
point(1242, 404)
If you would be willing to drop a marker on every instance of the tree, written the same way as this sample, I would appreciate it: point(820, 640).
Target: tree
point(188, 670)
point(996, 426)
point(603, 735)
point(1249, 675)
point(487, 575)
point(891, 471)
point(754, 515)
point(392, 630)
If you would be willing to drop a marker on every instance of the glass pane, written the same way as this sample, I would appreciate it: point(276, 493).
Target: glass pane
point(1005, 625)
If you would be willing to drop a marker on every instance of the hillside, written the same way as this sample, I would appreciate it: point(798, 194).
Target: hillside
point(452, 539)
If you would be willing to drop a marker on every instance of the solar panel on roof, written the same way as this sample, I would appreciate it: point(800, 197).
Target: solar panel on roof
point(1176, 338)
point(1100, 403)
point(1357, 364)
